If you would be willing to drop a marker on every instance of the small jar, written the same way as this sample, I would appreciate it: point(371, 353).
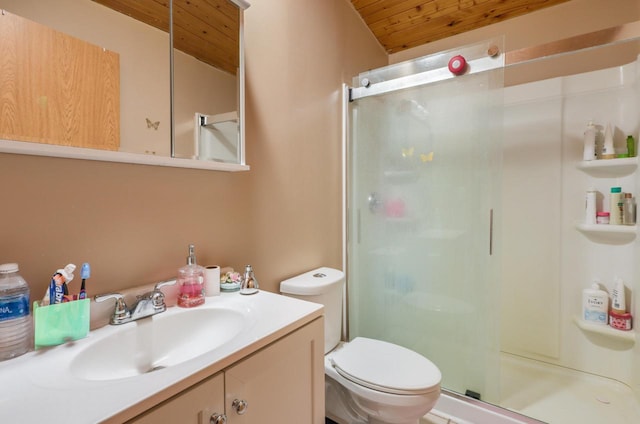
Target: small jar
point(602, 217)
point(620, 321)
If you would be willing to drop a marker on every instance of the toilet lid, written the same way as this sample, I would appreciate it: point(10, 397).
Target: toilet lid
point(386, 367)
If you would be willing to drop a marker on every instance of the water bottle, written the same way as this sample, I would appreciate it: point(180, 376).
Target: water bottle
point(15, 321)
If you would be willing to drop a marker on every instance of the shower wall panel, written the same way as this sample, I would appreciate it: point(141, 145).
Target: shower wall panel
point(531, 193)
point(547, 261)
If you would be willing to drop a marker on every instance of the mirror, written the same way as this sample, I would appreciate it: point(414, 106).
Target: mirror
point(174, 104)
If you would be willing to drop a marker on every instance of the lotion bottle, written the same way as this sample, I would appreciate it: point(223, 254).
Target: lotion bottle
point(595, 305)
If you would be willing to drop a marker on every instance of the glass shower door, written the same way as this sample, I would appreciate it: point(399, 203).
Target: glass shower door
point(422, 175)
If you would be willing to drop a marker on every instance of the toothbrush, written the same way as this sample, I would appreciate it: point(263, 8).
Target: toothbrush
point(85, 273)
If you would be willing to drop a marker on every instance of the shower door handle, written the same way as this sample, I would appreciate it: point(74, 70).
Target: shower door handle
point(490, 232)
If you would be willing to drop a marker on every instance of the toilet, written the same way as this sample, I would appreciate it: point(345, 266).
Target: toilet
point(367, 380)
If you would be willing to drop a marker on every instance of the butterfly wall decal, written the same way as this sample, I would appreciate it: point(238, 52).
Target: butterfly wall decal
point(407, 153)
point(151, 124)
point(426, 158)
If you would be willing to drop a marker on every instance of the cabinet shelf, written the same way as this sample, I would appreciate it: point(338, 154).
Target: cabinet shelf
point(609, 167)
point(605, 330)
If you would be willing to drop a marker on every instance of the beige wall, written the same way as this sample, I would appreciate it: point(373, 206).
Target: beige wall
point(133, 222)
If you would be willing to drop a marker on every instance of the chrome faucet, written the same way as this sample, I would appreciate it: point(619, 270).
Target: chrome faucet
point(147, 304)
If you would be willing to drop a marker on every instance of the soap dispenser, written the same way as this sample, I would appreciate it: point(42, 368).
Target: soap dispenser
point(191, 282)
point(249, 282)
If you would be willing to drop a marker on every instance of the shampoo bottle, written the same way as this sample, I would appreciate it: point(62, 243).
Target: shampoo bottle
point(191, 282)
point(615, 206)
point(589, 142)
point(595, 305)
point(590, 207)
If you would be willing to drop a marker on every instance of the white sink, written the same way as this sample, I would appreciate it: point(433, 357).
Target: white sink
point(158, 342)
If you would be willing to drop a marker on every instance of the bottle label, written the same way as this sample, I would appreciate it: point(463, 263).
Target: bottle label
point(595, 316)
point(12, 307)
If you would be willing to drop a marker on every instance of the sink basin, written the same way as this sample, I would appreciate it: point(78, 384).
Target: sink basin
point(157, 342)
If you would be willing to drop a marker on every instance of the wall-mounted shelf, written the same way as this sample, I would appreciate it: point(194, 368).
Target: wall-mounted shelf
point(605, 330)
point(609, 167)
point(38, 149)
point(606, 228)
point(613, 233)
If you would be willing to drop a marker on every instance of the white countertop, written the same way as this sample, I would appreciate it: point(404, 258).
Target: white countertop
point(41, 387)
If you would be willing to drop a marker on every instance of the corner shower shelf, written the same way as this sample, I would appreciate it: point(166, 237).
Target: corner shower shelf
point(609, 167)
point(614, 233)
point(605, 330)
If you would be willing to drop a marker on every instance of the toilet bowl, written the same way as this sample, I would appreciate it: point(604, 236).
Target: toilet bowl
point(366, 380)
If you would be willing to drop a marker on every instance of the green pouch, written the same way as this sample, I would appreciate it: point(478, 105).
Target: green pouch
point(60, 323)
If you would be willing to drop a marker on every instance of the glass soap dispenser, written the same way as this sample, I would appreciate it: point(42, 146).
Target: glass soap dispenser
point(249, 282)
point(191, 282)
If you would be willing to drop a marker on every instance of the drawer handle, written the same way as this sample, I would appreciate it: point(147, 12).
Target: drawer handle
point(240, 406)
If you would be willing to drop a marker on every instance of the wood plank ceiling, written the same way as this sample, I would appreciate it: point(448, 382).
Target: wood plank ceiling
point(208, 29)
point(402, 24)
point(205, 29)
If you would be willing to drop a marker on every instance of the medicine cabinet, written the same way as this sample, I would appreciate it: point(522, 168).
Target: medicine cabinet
point(140, 74)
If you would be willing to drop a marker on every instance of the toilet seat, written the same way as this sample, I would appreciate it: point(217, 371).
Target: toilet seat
point(386, 367)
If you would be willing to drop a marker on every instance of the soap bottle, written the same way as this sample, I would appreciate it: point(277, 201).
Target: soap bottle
point(589, 142)
point(191, 282)
point(595, 305)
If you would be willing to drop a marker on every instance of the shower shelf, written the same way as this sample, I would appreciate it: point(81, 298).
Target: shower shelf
point(605, 330)
point(609, 167)
point(619, 233)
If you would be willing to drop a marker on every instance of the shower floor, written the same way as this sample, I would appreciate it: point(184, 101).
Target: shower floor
point(560, 395)
point(542, 392)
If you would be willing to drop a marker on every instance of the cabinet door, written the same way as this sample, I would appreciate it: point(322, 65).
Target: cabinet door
point(283, 383)
point(193, 406)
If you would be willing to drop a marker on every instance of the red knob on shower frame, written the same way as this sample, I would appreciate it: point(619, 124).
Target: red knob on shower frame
point(457, 65)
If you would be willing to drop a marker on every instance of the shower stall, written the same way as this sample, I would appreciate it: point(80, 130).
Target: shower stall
point(464, 222)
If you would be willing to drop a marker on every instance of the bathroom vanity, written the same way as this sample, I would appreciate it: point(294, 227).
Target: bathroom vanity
point(275, 384)
point(253, 359)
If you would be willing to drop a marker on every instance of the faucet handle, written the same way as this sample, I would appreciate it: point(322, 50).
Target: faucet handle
point(121, 311)
point(158, 297)
point(164, 283)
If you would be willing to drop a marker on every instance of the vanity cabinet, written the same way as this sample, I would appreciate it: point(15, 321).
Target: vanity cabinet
point(282, 382)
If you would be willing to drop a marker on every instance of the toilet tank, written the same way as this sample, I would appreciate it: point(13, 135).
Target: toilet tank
point(324, 286)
